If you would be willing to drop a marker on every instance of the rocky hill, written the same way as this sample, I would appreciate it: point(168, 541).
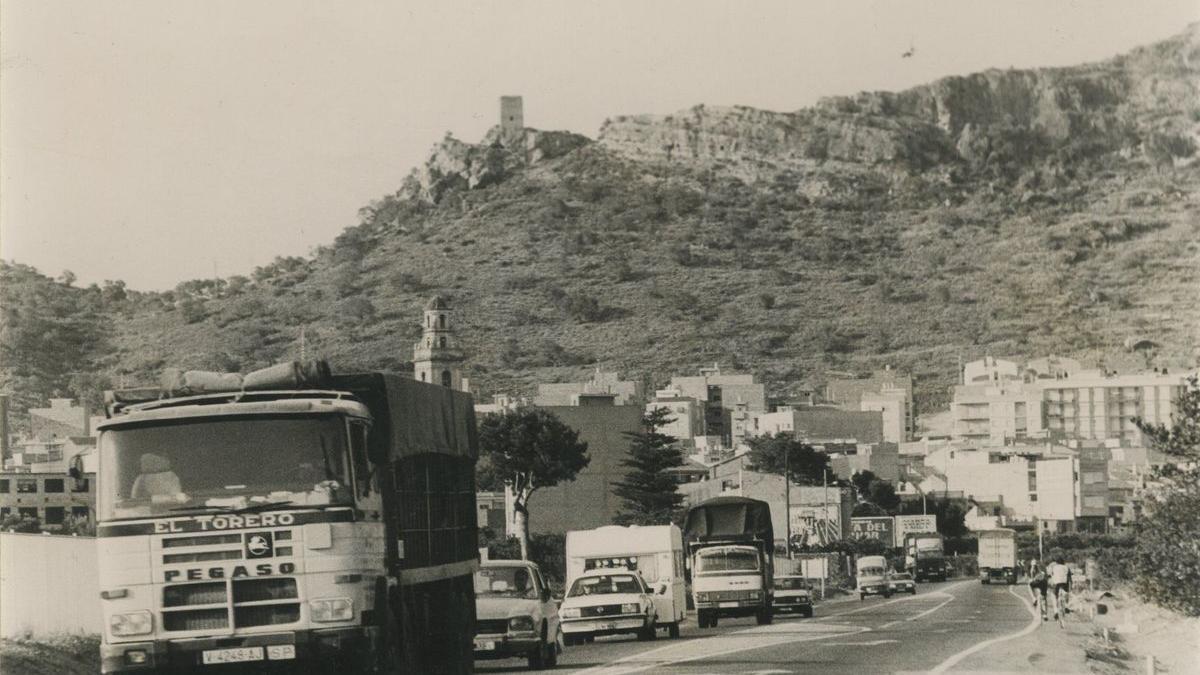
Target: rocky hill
point(1005, 212)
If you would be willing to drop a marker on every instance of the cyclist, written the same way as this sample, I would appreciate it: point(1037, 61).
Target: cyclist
point(1059, 584)
point(1037, 586)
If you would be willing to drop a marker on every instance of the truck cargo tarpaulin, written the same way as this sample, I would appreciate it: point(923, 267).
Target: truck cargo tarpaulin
point(729, 518)
point(881, 528)
point(419, 418)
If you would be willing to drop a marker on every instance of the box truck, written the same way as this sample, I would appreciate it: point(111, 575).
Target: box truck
point(730, 544)
point(290, 518)
point(998, 556)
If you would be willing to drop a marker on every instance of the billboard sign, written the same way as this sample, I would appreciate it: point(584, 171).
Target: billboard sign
point(906, 525)
point(881, 528)
point(815, 525)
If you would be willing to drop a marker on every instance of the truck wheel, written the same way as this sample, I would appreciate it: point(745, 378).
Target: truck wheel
point(862, 596)
point(764, 616)
point(648, 633)
point(703, 619)
point(673, 630)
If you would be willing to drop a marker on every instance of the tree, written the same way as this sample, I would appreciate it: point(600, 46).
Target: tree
point(526, 450)
point(951, 514)
point(1166, 557)
point(651, 495)
point(874, 491)
point(779, 452)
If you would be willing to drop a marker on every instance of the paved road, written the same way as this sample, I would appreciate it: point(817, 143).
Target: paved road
point(949, 627)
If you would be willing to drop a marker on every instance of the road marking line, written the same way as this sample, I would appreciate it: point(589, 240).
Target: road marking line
point(634, 664)
point(955, 659)
point(872, 643)
point(917, 616)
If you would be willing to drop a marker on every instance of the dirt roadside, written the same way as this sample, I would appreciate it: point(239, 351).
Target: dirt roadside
point(55, 655)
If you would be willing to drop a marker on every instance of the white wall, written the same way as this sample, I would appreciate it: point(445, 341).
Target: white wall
point(48, 584)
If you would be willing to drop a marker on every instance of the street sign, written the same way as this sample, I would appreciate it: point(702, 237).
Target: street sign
point(913, 524)
point(814, 568)
point(881, 528)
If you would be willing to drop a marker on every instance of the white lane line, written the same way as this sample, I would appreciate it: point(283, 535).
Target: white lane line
point(872, 643)
point(637, 663)
point(954, 660)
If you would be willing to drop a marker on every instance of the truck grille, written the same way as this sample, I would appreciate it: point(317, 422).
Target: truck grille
point(490, 626)
point(256, 602)
point(726, 596)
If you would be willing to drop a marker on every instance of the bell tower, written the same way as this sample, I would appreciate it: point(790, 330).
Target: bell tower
point(436, 356)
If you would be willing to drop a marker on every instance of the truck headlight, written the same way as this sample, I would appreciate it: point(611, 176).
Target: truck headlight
point(702, 597)
point(754, 595)
point(132, 623)
point(631, 608)
point(520, 624)
point(331, 609)
point(569, 613)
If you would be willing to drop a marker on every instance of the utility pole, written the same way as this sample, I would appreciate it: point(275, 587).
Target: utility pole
point(787, 497)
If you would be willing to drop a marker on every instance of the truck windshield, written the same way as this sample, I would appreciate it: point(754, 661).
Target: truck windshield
point(727, 560)
point(223, 463)
point(870, 572)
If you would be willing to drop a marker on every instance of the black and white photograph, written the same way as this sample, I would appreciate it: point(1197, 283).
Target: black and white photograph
point(684, 337)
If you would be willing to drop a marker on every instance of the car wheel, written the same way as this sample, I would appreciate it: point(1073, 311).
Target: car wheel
point(649, 632)
point(537, 657)
point(571, 640)
point(808, 612)
point(673, 630)
point(912, 591)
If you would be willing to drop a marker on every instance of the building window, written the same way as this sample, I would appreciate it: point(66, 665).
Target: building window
point(1033, 498)
point(442, 321)
point(53, 485)
point(27, 512)
point(27, 486)
point(442, 343)
point(422, 376)
point(446, 378)
point(55, 515)
point(4, 486)
point(80, 512)
point(4, 511)
point(81, 485)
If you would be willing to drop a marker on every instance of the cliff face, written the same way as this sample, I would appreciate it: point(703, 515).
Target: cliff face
point(456, 165)
point(1100, 106)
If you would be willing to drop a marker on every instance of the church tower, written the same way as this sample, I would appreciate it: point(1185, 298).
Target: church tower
point(436, 356)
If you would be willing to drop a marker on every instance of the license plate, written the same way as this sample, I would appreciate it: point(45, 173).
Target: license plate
point(281, 652)
point(727, 604)
point(235, 655)
point(484, 645)
point(606, 626)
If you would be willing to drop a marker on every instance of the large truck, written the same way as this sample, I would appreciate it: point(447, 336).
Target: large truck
point(291, 519)
point(730, 544)
point(998, 556)
point(655, 552)
point(925, 555)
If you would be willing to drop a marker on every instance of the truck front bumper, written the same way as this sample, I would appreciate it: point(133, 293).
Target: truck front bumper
point(308, 646)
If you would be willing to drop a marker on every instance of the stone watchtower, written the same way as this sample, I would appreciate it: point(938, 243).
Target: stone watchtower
point(512, 119)
point(436, 356)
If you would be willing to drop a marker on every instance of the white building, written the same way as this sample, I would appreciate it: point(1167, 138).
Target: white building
point(893, 404)
point(997, 412)
point(687, 415)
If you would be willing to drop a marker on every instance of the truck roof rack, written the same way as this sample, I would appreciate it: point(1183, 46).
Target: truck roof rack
point(129, 404)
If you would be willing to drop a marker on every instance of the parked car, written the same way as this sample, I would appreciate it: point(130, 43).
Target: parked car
point(792, 594)
point(902, 582)
point(515, 614)
point(607, 602)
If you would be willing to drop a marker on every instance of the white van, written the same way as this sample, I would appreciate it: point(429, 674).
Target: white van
point(655, 552)
point(873, 576)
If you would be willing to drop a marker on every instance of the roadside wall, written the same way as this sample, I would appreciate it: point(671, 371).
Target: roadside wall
point(48, 584)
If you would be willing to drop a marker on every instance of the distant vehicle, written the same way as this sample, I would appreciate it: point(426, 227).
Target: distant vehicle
point(655, 552)
point(998, 556)
point(927, 553)
point(902, 582)
point(515, 615)
point(872, 576)
point(792, 594)
point(730, 545)
point(607, 602)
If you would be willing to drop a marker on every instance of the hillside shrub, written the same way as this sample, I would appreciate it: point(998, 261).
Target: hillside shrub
point(1167, 557)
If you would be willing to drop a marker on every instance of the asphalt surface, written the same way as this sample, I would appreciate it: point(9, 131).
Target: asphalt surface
point(957, 626)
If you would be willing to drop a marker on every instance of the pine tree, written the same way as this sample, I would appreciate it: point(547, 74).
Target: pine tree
point(650, 493)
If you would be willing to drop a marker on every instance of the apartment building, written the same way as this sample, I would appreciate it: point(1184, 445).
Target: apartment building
point(686, 414)
point(727, 399)
point(1094, 405)
point(883, 390)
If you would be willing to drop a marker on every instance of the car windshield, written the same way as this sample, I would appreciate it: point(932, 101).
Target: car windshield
point(604, 584)
point(727, 560)
point(222, 464)
point(790, 584)
point(505, 582)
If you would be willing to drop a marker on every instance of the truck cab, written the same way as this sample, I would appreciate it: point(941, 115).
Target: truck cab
point(280, 527)
point(730, 544)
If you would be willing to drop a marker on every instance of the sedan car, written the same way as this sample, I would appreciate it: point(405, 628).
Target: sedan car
point(515, 615)
point(792, 594)
point(607, 602)
point(902, 582)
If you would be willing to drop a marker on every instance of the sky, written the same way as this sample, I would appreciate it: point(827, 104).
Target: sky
point(162, 141)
